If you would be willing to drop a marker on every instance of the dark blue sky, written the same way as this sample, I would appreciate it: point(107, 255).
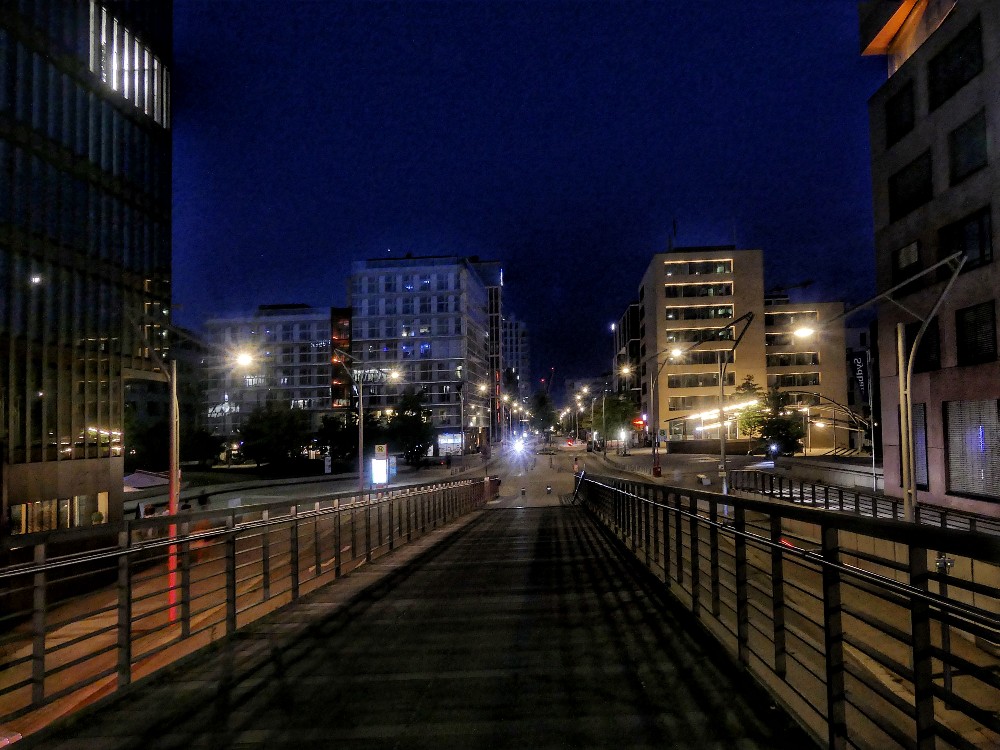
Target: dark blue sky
point(561, 138)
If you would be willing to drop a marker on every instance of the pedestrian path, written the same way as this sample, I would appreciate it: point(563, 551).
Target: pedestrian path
point(523, 627)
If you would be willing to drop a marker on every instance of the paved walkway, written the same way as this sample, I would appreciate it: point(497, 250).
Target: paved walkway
point(522, 627)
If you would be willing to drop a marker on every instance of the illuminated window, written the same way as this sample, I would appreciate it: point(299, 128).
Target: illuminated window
point(973, 445)
point(125, 64)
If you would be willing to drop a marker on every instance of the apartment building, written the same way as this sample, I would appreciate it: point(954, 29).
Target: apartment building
point(287, 350)
point(85, 199)
point(429, 320)
point(691, 302)
point(935, 129)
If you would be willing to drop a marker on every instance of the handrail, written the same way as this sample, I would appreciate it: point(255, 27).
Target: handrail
point(984, 617)
point(857, 636)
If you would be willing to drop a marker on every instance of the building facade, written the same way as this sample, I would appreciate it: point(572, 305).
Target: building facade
point(85, 196)
point(288, 350)
point(428, 319)
point(516, 377)
point(687, 298)
point(935, 129)
point(625, 365)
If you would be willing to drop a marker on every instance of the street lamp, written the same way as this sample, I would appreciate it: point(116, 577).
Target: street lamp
point(904, 368)
point(358, 380)
point(723, 356)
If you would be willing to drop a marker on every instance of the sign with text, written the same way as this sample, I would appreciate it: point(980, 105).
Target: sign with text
point(381, 452)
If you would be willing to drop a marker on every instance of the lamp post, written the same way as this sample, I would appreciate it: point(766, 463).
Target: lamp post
point(904, 368)
point(723, 360)
point(358, 380)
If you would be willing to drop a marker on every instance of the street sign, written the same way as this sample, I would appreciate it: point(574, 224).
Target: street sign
point(382, 452)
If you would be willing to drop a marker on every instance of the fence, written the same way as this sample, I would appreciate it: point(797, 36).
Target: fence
point(854, 501)
point(178, 583)
point(874, 633)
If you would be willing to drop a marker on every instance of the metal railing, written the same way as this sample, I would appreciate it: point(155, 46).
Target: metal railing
point(95, 621)
point(873, 633)
point(855, 501)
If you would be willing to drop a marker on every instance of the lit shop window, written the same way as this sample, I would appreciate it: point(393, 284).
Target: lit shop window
point(128, 66)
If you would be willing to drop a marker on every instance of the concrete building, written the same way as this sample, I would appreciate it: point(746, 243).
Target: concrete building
point(935, 130)
point(516, 357)
point(85, 197)
point(429, 319)
point(686, 296)
point(290, 350)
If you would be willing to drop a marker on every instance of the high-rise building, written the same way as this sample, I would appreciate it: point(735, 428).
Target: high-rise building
point(627, 347)
point(935, 125)
point(85, 197)
point(516, 358)
point(429, 319)
point(288, 348)
point(687, 295)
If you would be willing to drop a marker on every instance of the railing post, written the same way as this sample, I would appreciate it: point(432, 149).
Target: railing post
point(633, 499)
point(833, 636)
point(392, 524)
point(923, 665)
point(713, 543)
point(293, 553)
point(337, 535)
point(645, 523)
point(38, 608)
point(317, 549)
point(657, 502)
point(265, 555)
point(231, 575)
point(184, 564)
point(679, 540)
point(409, 517)
point(742, 586)
point(778, 597)
point(695, 557)
point(124, 609)
point(368, 530)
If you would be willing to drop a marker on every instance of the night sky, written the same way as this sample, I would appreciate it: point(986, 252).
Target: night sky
point(565, 139)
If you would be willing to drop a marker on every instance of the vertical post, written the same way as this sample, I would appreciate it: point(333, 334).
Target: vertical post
point(317, 551)
point(337, 535)
point(904, 422)
point(185, 582)
point(778, 597)
point(230, 575)
point(265, 555)
point(174, 488)
point(742, 587)
point(695, 557)
point(392, 525)
point(833, 636)
point(923, 664)
point(713, 551)
point(645, 523)
point(124, 609)
point(722, 423)
point(38, 608)
point(293, 552)
point(657, 496)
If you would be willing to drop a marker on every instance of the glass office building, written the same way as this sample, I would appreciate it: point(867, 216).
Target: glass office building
point(84, 247)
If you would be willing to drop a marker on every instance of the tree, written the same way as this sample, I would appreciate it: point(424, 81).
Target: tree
point(779, 428)
point(200, 446)
point(543, 412)
point(750, 419)
point(612, 414)
point(274, 433)
point(410, 428)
